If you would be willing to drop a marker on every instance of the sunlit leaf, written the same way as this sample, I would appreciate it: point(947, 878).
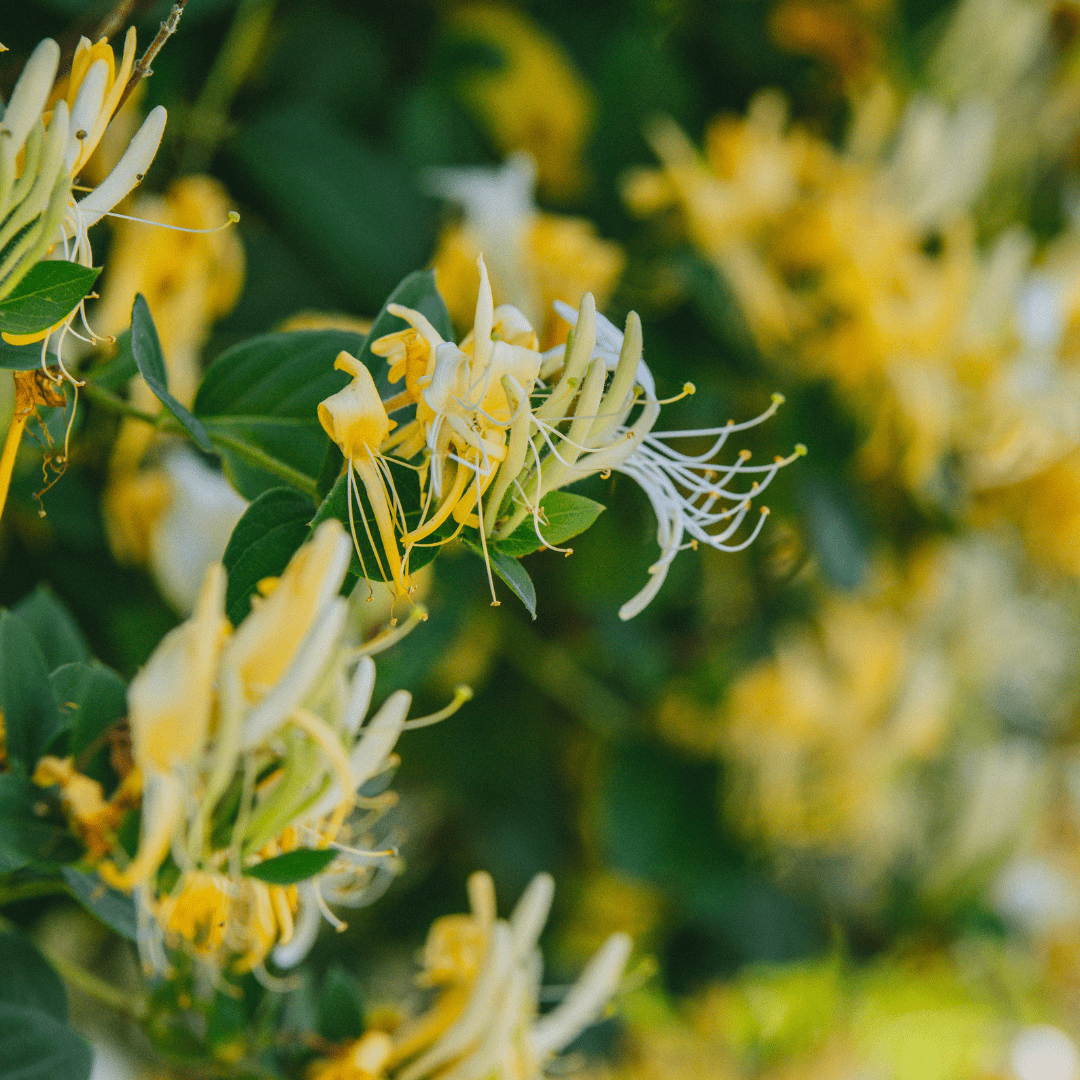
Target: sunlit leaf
point(566, 515)
point(49, 293)
point(293, 866)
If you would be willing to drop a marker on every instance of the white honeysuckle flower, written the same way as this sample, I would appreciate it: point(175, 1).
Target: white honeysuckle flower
point(193, 532)
point(498, 1032)
point(265, 724)
point(688, 492)
point(41, 155)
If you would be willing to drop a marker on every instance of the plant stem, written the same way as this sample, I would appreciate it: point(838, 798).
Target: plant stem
point(114, 403)
point(142, 66)
point(31, 890)
point(121, 1001)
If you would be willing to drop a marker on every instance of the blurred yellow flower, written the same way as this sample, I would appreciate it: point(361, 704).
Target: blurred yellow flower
point(262, 725)
point(534, 258)
point(534, 100)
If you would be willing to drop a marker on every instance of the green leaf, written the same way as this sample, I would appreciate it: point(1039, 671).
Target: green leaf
point(92, 697)
point(29, 979)
point(511, 571)
point(146, 348)
point(36, 1046)
point(293, 866)
point(54, 628)
point(274, 449)
point(31, 717)
point(407, 485)
point(567, 515)
point(284, 374)
point(341, 1012)
point(259, 401)
point(33, 829)
point(19, 357)
point(355, 212)
point(262, 543)
point(48, 294)
point(113, 908)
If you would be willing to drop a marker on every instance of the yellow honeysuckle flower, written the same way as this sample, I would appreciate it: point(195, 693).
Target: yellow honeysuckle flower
point(356, 420)
point(535, 101)
point(265, 725)
point(483, 436)
point(486, 1022)
point(361, 1060)
point(533, 258)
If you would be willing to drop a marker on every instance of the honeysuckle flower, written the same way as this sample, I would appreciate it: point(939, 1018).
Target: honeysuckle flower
point(173, 517)
point(688, 492)
point(533, 257)
point(252, 744)
point(499, 425)
point(355, 418)
point(486, 1021)
point(44, 148)
point(534, 100)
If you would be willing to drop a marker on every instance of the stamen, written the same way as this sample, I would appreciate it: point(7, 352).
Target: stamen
point(232, 218)
point(462, 694)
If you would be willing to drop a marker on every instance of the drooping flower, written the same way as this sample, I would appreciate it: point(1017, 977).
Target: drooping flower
point(485, 1023)
point(251, 745)
point(498, 425)
point(50, 134)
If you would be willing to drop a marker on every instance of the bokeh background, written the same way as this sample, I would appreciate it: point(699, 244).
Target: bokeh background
point(831, 784)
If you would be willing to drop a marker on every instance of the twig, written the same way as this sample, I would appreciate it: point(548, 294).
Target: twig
point(108, 400)
point(142, 67)
point(121, 1001)
point(32, 890)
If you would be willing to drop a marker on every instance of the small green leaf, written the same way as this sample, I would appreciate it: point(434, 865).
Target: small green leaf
point(293, 866)
point(262, 543)
point(36, 1046)
point(47, 295)
point(113, 908)
point(31, 717)
point(511, 571)
point(33, 829)
point(146, 348)
point(29, 979)
point(92, 697)
point(19, 357)
point(341, 1012)
point(54, 628)
point(567, 515)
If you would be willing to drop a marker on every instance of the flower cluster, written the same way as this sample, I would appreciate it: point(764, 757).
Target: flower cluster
point(498, 425)
point(50, 132)
point(250, 745)
point(485, 1020)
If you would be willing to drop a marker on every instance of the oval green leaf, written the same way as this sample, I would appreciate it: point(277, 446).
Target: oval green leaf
point(293, 866)
point(49, 293)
